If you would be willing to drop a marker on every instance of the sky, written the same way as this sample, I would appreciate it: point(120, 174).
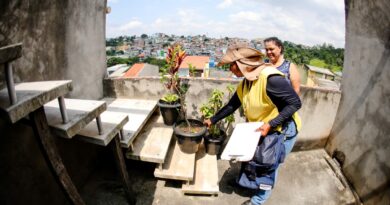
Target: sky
point(307, 22)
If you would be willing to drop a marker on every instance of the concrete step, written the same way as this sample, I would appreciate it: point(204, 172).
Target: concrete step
point(178, 165)
point(152, 143)
point(206, 175)
point(80, 114)
point(31, 96)
point(138, 111)
point(10, 53)
point(112, 123)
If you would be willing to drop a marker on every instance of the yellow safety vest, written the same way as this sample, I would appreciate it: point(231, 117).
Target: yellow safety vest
point(255, 101)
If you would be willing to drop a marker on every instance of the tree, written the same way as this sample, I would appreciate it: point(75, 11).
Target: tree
point(110, 52)
point(133, 60)
point(158, 62)
point(329, 56)
point(114, 61)
point(166, 45)
point(144, 36)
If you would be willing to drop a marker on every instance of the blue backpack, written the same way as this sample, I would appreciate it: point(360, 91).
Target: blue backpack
point(260, 171)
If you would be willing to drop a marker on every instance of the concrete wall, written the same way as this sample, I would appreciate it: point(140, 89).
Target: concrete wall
point(360, 135)
point(318, 111)
point(85, 49)
point(61, 40)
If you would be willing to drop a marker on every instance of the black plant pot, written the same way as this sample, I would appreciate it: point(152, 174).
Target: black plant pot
point(213, 144)
point(169, 111)
point(189, 141)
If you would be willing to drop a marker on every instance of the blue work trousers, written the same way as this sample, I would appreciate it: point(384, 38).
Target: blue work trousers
point(291, 132)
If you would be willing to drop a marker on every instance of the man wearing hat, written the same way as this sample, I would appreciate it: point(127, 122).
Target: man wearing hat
point(265, 96)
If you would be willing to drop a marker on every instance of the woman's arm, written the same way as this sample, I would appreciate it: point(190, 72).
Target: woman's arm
point(233, 104)
point(284, 97)
point(295, 78)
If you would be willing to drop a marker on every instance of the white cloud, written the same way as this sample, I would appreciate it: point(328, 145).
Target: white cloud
point(130, 25)
point(225, 4)
point(243, 16)
point(330, 4)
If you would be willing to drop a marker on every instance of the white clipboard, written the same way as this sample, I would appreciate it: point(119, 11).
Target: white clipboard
point(243, 142)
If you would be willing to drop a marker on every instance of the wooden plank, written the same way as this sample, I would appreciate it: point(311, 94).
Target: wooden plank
point(206, 175)
point(80, 114)
point(152, 144)
point(10, 53)
point(30, 96)
point(178, 165)
point(51, 154)
point(112, 123)
point(138, 110)
point(121, 165)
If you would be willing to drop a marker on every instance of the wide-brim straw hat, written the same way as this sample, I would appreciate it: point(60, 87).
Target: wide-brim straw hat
point(249, 61)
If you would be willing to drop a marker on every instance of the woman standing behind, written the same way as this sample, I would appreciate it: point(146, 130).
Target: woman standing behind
point(274, 50)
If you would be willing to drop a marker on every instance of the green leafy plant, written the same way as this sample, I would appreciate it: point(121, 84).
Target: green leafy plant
point(192, 70)
point(170, 97)
point(214, 104)
point(170, 78)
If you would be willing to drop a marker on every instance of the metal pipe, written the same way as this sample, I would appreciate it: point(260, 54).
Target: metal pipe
point(99, 125)
point(9, 78)
point(64, 114)
point(122, 134)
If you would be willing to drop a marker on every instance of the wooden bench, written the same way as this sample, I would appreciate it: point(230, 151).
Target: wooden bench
point(152, 143)
point(206, 175)
point(178, 165)
point(138, 111)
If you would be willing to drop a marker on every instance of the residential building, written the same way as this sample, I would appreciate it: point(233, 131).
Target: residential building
point(320, 77)
point(199, 62)
point(114, 68)
point(119, 72)
point(124, 48)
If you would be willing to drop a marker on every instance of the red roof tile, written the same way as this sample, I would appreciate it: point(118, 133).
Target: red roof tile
point(198, 61)
point(134, 70)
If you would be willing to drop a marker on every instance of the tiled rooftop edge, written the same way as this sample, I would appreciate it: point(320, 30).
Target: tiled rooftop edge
point(214, 80)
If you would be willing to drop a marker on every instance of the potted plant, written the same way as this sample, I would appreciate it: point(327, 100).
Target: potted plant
point(169, 104)
point(216, 134)
point(189, 132)
point(169, 108)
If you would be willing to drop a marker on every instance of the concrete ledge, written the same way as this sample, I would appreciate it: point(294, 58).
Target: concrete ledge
point(112, 123)
point(80, 113)
point(10, 53)
point(31, 96)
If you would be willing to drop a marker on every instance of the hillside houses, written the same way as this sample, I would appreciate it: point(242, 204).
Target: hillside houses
point(199, 45)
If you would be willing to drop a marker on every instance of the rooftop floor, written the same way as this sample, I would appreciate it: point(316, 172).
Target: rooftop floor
point(306, 177)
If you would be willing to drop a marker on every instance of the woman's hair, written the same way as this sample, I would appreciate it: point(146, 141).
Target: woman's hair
point(277, 42)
